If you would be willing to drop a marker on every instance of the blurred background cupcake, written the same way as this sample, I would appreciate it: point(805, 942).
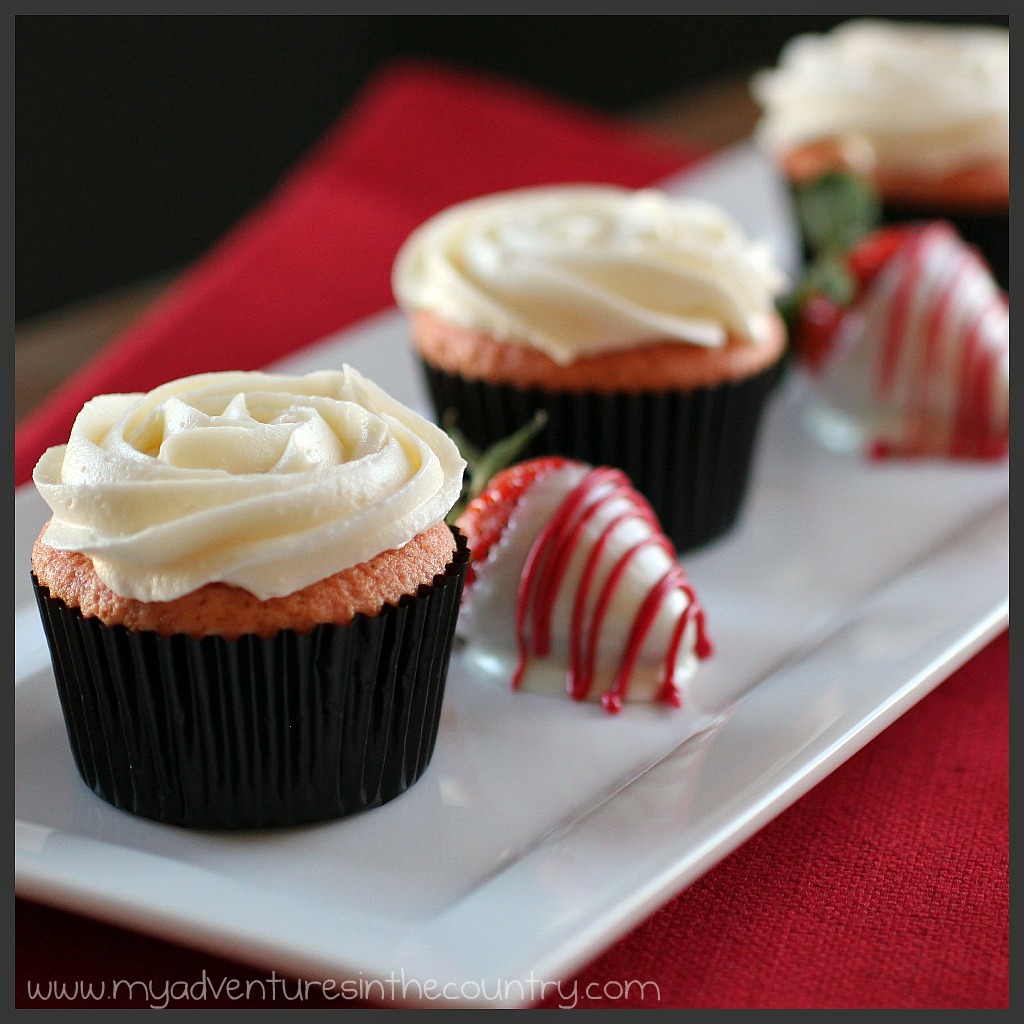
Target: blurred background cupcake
point(250, 593)
point(643, 326)
point(919, 111)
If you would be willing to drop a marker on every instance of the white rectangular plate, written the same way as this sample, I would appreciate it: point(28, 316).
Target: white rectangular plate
point(543, 830)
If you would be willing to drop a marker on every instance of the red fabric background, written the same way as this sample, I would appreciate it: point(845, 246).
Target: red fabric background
point(886, 886)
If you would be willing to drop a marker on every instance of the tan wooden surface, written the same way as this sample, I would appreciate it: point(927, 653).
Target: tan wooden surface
point(50, 348)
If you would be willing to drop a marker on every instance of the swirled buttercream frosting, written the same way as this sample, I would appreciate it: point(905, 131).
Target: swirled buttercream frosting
point(578, 270)
point(911, 96)
point(263, 481)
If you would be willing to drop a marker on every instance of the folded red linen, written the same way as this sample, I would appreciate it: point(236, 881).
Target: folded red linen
point(885, 886)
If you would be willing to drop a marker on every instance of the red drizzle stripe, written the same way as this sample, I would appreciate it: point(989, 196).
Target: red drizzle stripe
point(580, 664)
point(899, 311)
point(931, 361)
point(967, 427)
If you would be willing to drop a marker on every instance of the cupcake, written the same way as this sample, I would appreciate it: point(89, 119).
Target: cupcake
point(921, 111)
point(575, 589)
point(643, 326)
point(250, 593)
point(918, 363)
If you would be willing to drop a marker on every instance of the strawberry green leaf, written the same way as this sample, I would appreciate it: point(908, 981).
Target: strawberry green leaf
point(836, 210)
point(467, 449)
point(481, 466)
point(828, 275)
point(505, 452)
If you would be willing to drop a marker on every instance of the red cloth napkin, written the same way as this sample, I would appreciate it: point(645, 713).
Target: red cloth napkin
point(885, 886)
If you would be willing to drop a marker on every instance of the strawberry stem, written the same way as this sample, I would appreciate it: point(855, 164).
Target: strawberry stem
point(481, 466)
point(835, 211)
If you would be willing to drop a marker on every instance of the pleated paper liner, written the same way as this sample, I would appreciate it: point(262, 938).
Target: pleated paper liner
point(989, 232)
point(689, 452)
point(256, 731)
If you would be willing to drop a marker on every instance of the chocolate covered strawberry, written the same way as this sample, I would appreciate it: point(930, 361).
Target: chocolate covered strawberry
point(575, 588)
point(917, 363)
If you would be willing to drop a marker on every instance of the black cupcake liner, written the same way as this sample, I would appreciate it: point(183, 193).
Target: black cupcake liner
point(989, 232)
point(293, 728)
point(689, 452)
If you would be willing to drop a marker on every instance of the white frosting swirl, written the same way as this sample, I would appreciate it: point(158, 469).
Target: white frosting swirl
point(577, 270)
point(913, 96)
point(264, 481)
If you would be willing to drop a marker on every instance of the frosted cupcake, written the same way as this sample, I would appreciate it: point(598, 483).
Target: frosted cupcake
point(250, 595)
point(921, 111)
point(644, 326)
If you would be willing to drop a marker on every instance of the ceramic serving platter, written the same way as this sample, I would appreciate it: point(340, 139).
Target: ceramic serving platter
point(544, 829)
